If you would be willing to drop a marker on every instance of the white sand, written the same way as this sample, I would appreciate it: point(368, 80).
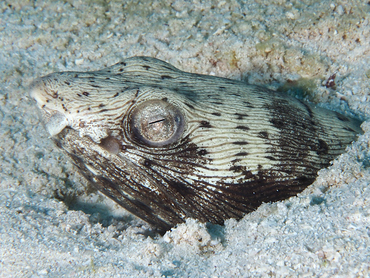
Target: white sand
point(53, 224)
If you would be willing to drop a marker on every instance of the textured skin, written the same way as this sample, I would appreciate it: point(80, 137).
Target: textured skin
point(241, 145)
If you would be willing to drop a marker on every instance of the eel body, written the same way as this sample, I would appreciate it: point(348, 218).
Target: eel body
point(168, 145)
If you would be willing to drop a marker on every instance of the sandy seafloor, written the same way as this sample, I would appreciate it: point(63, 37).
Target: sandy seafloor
point(52, 224)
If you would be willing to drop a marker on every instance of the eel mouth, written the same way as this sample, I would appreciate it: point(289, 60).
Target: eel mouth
point(53, 120)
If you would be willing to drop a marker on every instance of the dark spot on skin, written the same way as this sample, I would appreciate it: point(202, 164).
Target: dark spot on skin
point(248, 175)
point(107, 78)
point(64, 107)
point(216, 114)
point(217, 102)
point(248, 105)
point(101, 105)
point(95, 86)
point(48, 100)
point(205, 124)
point(44, 106)
point(241, 116)
point(120, 70)
point(240, 143)
point(78, 111)
point(147, 163)
point(166, 77)
point(75, 76)
point(85, 94)
point(116, 95)
point(67, 83)
point(237, 168)
point(137, 93)
point(89, 108)
point(103, 110)
point(263, 134)
point(189, 105)
point(61, 99)
point(146, 67)
point(203, 152)
point(55, 95)
point(277, 123)
point(236, 160)
point(122, 63)
point(270, 157)
point(341, 117)
point(235, 94)
point(288, 171)
point(323, 147)
point(79, 95)
point(241, 154)
point(242, 127)
point(165, 99)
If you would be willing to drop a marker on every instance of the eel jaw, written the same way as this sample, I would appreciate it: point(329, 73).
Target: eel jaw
point(54, 121)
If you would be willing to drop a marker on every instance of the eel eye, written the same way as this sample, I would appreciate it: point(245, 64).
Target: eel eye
point(156, 123)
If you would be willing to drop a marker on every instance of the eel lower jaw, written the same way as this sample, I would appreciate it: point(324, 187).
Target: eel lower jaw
point(54, 121)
